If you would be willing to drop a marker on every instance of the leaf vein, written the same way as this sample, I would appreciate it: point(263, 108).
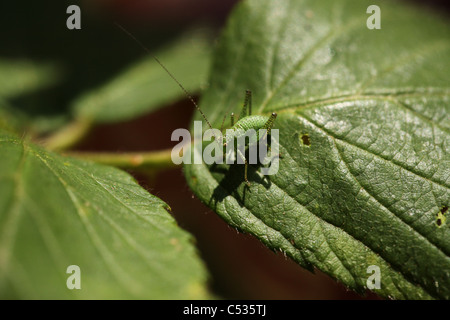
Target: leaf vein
point(392, 161)
point(107, 257)
point(333, 32)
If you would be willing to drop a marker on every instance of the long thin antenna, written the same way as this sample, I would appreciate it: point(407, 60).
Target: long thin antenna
point(168, 72)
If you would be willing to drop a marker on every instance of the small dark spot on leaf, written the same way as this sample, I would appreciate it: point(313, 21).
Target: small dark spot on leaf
point(305, 139)
point(441, 216)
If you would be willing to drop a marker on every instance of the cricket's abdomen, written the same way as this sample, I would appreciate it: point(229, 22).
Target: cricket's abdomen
point(245, 124)
point(251, 122)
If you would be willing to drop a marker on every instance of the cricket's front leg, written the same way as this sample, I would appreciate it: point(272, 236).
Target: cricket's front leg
point(268, 126)
point(246, 166)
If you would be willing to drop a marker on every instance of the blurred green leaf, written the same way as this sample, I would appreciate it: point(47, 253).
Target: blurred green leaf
point(368, 187)
point(10, 118)
point(19, 77)
point(146, 86)
point(57, 211)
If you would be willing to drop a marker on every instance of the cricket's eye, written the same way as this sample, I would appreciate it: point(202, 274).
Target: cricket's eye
point(274, 114)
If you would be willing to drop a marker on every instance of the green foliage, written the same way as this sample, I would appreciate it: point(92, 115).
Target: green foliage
point(57, 211)
point(363, 179)
point(19, 77)
point(140, 88)
point(145, 86)
point(372, 105)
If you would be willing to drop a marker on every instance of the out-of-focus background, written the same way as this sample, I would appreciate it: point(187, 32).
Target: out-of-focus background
point(239, 265)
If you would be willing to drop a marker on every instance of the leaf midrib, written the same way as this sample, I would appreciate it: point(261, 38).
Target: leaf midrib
point(334, 32)
point(153, 264)
point(328, 133)
point(15, 212)
point(102, 249)
point(388, 97)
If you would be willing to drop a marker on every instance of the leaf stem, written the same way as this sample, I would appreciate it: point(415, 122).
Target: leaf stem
point(69, 135)
point(145, 161)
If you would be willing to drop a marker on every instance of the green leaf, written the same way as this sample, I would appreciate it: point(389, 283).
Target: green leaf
point(57, 211)
point(10, 118)
point(364, 135)
point(146, 86)
point(18, 77)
